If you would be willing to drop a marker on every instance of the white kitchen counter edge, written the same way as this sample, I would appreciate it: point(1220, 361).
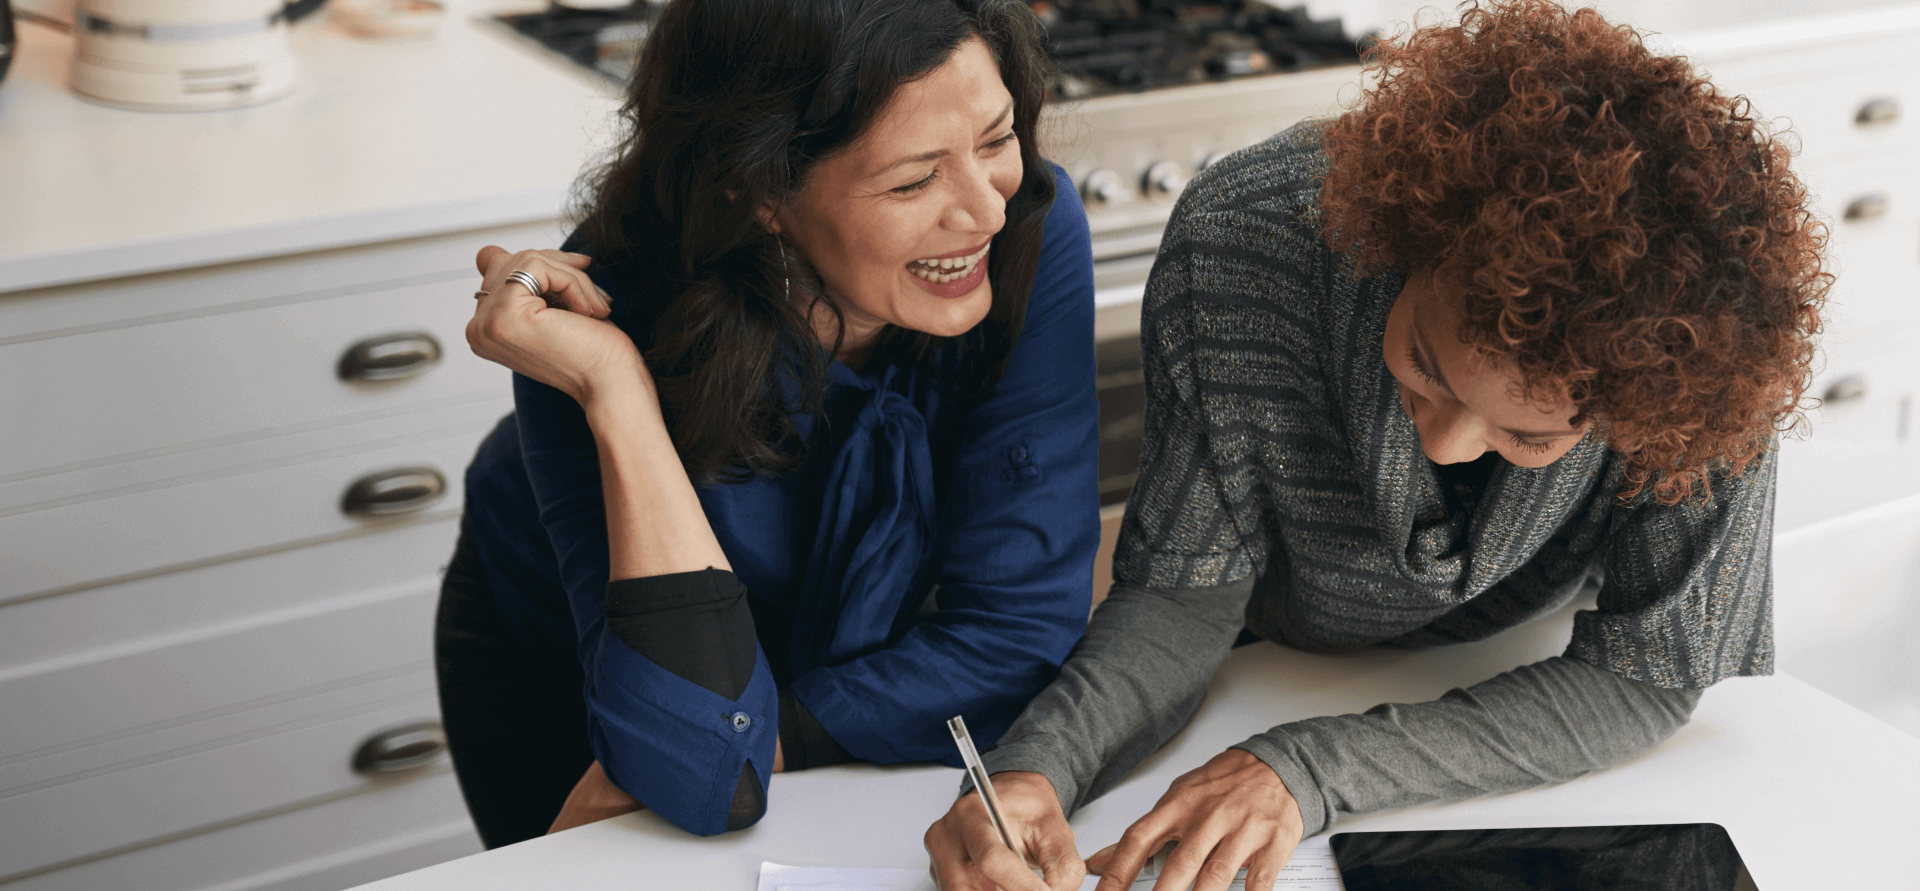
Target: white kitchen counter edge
point(168, 252)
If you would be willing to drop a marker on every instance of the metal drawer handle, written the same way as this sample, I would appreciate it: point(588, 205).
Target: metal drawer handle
point(395, 491)
point(1846, 390)
point(1868, 207)
point(390, 357)
point(401, 748)
point(1874, 112)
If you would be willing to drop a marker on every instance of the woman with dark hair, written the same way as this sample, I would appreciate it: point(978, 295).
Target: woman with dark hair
point(1528, 318)
point(802, 462)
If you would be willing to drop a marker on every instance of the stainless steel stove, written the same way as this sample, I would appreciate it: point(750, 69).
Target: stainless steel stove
point(1132, 154)
point(1149, 93)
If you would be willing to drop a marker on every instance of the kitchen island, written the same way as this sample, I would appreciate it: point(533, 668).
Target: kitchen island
point(1816, 794)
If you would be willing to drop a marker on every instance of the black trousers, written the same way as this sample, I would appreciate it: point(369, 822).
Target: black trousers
point(515, 718)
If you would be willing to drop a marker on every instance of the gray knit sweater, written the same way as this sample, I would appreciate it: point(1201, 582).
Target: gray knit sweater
point(1282, 487)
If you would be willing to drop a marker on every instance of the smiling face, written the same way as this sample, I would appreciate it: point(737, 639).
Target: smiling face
point(1462, 400)
point(899, 224)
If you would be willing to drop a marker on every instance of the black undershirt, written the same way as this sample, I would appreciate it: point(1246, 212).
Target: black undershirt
point(1462, 485)
point(698, 626)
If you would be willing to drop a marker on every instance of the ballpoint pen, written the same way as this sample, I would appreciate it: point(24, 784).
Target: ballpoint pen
point(958, 727)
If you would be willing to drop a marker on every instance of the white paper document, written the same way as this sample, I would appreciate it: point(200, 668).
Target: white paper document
point(775, 877)
point(1311, 869)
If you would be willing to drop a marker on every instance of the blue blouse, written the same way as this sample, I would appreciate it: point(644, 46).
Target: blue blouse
point(990, 504)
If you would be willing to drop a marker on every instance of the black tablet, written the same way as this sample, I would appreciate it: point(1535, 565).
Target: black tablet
point(1668, 857)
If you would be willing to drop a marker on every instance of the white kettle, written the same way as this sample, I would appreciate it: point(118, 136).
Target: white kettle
point(181, 55)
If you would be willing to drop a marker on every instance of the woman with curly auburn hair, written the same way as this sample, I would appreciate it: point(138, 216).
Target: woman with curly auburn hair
point(1526, 319)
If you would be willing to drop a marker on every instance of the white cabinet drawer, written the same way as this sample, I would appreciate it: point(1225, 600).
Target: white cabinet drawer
point(1821, 91)
point(1877, 285)
point(1862, 448)
point(307, 762)
point(126, 392)
point(91, 540)
point(1836, 112)
point(1862, 194)
point(383, 831)
point(40, 635)
point(119, 302)
point(98, 697)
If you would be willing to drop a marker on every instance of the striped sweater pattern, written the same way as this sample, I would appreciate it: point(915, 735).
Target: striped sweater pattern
point(1276, 448)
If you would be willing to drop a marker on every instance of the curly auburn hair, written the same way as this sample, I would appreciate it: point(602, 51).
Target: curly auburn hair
point(1625, 235)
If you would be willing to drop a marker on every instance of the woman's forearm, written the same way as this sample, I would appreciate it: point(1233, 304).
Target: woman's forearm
point(655, 524)
point(1130, 685)
point(660, 602)
point(1539, 724)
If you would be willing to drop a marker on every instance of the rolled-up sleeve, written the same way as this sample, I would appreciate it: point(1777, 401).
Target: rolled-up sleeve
point(676, 746)
point(1017, 537)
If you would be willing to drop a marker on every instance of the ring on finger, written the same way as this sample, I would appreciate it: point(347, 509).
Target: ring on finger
point(479, 294)
point(527, 281)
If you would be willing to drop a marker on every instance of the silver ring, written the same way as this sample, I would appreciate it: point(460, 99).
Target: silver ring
point(479, 294)
point(527, 280)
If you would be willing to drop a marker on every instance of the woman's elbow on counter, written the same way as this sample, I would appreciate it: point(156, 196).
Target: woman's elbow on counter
point(749, 801)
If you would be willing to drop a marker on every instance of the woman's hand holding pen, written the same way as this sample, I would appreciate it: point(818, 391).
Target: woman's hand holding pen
point(1231, 812)
point(558, 336)
point(968, 855)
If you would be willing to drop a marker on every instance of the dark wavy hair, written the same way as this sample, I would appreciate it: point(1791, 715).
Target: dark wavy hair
point(732, 104)
point(1625, 234)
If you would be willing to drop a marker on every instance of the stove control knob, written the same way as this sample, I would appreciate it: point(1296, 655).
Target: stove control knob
point(1164, 180)
point(1105, 188)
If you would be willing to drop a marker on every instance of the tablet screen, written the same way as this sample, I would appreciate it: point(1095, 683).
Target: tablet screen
point(1670, 857)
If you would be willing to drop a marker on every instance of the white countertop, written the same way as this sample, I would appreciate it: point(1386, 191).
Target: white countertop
point(1815, 793)
point(387, 139)
point(382, 139)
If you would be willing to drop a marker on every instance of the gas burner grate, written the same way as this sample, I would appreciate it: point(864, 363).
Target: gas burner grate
point(1101, 46)
point(606, 40)
point(1114, 46)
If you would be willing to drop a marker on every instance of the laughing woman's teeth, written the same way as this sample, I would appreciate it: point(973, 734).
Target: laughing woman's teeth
point(935, 270)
